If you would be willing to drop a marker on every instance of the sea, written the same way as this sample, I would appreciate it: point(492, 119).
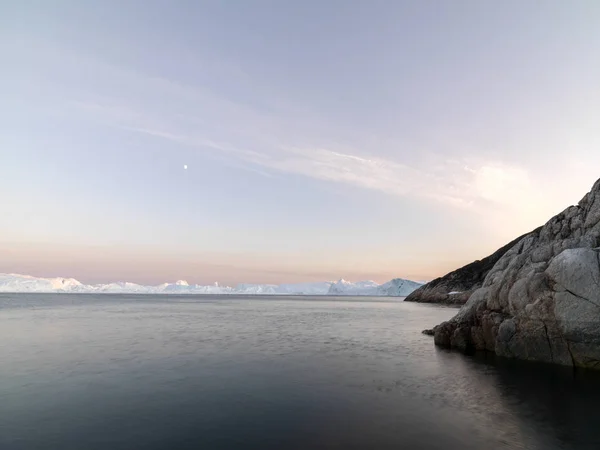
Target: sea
point(85, 372)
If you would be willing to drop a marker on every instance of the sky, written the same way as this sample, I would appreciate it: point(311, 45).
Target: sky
point(322, 139)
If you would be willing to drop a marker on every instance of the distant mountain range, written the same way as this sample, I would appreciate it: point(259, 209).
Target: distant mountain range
point(397, 287)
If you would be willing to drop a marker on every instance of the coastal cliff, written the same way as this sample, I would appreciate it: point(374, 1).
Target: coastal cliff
point(456, 287)
point(540, 300)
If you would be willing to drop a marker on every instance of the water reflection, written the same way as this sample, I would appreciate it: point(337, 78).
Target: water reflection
point(557, 399)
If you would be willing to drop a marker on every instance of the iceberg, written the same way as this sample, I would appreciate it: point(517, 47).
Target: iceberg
point(398, 287)
point(26, 283)
point(343, 287)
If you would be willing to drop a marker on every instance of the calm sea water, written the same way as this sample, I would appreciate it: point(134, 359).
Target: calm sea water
point(144, 372)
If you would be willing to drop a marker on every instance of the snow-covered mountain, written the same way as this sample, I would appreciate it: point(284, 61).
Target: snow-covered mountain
point(397, 287)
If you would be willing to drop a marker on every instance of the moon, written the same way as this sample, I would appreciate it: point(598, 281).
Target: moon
point(185, 167)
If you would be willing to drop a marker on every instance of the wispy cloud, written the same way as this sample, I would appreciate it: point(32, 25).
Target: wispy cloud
point(257, 139)
point(263, 150)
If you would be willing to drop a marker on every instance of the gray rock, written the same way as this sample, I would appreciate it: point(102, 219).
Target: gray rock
point(490, 325)
point(577, 271)
point(461, 282)
point(506, 331)
point(540, 299)
point(442, 334)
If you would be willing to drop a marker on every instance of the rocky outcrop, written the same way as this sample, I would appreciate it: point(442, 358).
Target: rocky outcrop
point(456, 287)
point(541, 300)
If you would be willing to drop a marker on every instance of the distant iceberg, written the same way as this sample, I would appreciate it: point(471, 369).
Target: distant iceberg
point(397, 287)
point(26, 283)
point(343, 287)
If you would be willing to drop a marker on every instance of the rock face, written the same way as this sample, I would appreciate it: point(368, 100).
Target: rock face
point(456, 287)
point(541, 300)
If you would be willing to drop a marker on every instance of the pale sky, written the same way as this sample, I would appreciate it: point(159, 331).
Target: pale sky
point(323, 139)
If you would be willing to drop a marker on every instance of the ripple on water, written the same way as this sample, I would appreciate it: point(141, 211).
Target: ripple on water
point(201, 372)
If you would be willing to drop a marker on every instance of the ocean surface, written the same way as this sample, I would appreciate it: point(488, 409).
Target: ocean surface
point(169, 372)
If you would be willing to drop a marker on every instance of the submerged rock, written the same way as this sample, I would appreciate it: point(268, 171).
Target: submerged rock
point(541, 299)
